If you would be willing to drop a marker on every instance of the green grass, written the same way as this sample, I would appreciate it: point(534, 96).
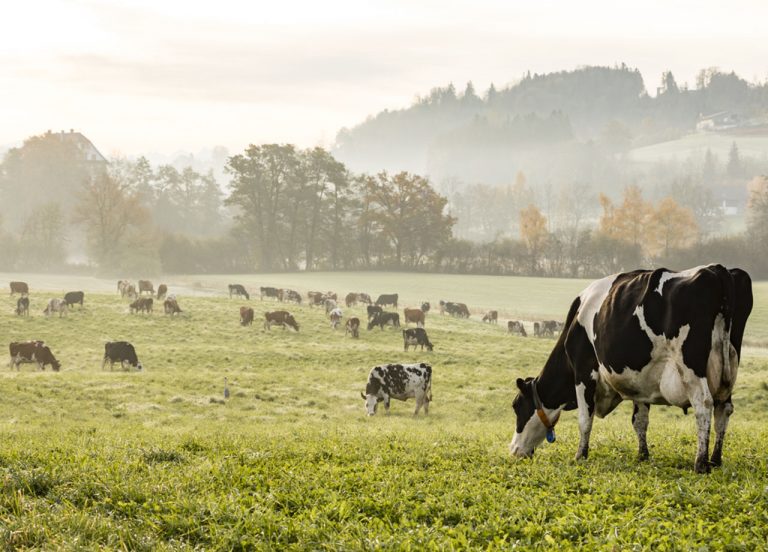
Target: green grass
point(697, 145)
point(158, 460)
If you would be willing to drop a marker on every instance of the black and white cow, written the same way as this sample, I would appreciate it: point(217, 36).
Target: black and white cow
point(238, 290)
point(122, 352)
point(401, 382)
point(384, 318)
point(652, 337)
point(415, 337)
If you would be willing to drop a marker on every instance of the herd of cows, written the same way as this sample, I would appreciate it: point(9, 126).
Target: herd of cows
point(650, 336)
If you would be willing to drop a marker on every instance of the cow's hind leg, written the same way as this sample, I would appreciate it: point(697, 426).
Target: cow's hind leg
point(419, 402)
point(723, 411)
point(640, 423)
point(701, 400)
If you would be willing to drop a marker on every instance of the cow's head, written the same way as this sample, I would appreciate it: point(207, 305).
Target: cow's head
point(425, 306)
point(530, 430)
point(429, 346)
point(291, 321)
point(372, 400)
point(139, 366)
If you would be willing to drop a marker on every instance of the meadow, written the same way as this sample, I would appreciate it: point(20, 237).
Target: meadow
point(158, 459)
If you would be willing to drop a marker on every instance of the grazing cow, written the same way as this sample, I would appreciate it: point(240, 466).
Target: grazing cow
point(425, 306)
point(240, 291)
point(415, 337)
point(280, 318)
point(246, 316)
point(122, 352)
point(364, 298)
point(335, 316)
point(652, 337)
point(142, 304)
point(162, 291)
point(459, 310)
point(19, 287)
point(549, 328)
point(373, 311)
point(146, 286)
point(315, 298)
point(32, 351)
point(73, 298)
point(331, 295)
point(122, 285)
point(130, 292)
point(401, 382)
point(291, 296)
point(537, 329)
point(516, 327)
point(492, 317)
point(56, 305)
point(384, 318)
point(22, 306)
point(171, 306)
point(268, 292)
point(351, 299)
point(330, 304)
point(353, 327)
point(386, 300)
point(414, 315)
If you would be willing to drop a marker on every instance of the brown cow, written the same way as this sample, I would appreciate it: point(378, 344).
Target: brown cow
point(414, 315)
point(142, 304)
point(22, 306)
point(353, 327)
point(280, 318)
point(516, 327)
point(130, 292)
point(316, 298)
point(32, 351)
point(146, 286)
point(19, 287)
point(246, 316)
point(492, 317)
point(351, 299)
point(162, 291)
point(171, 306)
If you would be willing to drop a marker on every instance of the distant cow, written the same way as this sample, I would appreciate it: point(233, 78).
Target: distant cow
point(291, 296)
point(351, 299)
point(246, 316)
point(386, 300)
point(130, 292)
point(315, 298)
point(415, 337)
point(122, 287)
point(331, 295)
point(280, 318)
point(145, 286)
point(516, 327)
point(353, 327)
point(384, 318)
point(142, 304)
point(335, 316)
point(32, 351)
point(364, 298)
point(237, 289)
point(401, 382)
point(268, 292)
point(171, 307)
point(536, 329)
point(56, 305)
point(414, 315)
point(22, 306)
point(459, 310)
point(330, 304)
point(373, 311)
point(74, 297)
point(19, 287)
point(492, 317)
point(122, 352)
point(549, 328)
point(162, 291)
point(425, 306)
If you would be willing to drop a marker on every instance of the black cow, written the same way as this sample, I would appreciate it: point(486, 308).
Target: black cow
point(373, 311)
point(269, 292)
point(386, 300)
point(22, 306)
point(653, 337)
point(33, 351)
point(459, 310)
point(122, 352)
point(74, 297)
point(237, 289)
point(384, 318)
point(416, 337)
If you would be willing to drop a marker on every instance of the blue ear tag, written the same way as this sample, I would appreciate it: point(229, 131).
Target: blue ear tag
point(551, 435)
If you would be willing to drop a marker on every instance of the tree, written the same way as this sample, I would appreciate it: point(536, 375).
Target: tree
point(673, 226)
point(533, 231)
point(43, 237)
point(108, 209)
point(735, 167)
point(668, 83)
point(627, 222)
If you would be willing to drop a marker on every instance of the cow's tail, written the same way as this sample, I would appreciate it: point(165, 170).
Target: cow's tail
point(728, 307)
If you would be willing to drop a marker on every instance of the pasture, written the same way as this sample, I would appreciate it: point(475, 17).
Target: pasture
point(158, 459)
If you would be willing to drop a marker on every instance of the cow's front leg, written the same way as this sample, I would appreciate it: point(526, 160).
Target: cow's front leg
point(419, 402)
point(386, 406)
point(723, 411)
point(640, 423)
point(701, 400)
point(585, 398)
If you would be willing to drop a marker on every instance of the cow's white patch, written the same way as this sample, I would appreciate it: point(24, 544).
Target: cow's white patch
point(592, 298)
point(533, 434)
point(670, 275)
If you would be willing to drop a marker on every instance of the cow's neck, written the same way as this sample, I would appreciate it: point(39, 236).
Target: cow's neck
point(555, 383)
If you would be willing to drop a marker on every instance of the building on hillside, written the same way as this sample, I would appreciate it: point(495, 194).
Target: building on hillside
point(722, 120)
point(90, 155)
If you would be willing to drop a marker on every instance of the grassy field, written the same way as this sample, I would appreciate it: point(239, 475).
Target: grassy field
point(697, 145)
point(159, 460)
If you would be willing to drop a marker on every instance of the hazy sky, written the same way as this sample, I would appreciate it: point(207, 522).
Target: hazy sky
point(153, 75)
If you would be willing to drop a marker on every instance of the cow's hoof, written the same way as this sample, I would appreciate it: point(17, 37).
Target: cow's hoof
point(702, 466)
point(716, 461)
point(643, 456)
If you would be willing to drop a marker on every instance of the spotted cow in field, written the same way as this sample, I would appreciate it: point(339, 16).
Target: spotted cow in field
point(548, 328)
point(383, 319)
point(246, 316)
point(238, 291)
point(459, 310)
point(652, 337)
point(316, 298)
point(291, 296)
point(19, 287)
point(416, 337)
point(492, 317)
point(22, 306)
point(335, 315)
point(401, 382)
point(516, 327)
point(33, 352)
point(353, 327)
point(122, 352)
point(280, 318)
point(73, 298)
point(56, 305)
point(142, 304)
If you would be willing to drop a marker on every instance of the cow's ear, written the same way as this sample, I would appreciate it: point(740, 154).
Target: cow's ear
point(362, 395)
point(521, 385)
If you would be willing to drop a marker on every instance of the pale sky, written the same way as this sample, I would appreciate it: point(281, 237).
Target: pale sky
point(141, 76)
